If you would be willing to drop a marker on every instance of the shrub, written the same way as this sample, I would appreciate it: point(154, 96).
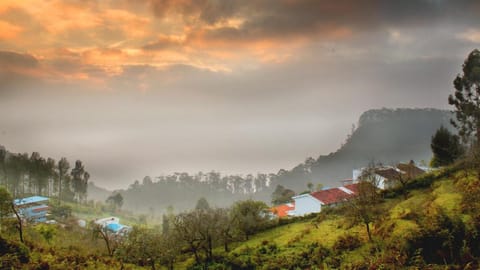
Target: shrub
point(347, 242)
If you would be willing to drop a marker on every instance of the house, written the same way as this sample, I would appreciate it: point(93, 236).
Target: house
point(32, 209)
point(313, 202)
point(383, 177)
point(282, 210)
point(387, 176)
point(410, 169)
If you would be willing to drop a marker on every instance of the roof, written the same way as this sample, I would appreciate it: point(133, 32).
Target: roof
point(282, 210)
point(28, 200)
point(410, 169)
point(331, 196)
point(114, 227)
point(352, 187)
point(388, 173)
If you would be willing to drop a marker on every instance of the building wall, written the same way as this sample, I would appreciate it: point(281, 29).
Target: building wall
point(305, 204)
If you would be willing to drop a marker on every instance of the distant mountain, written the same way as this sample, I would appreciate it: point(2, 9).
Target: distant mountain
point(384, 136)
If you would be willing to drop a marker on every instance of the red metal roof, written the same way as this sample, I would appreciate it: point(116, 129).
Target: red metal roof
point(330, 196)
point(352, 187)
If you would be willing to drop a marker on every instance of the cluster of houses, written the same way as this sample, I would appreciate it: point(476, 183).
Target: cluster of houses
point(35, 209)
point(383, 177)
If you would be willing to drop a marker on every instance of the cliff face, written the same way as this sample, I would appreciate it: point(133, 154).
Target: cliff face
point(385, 135)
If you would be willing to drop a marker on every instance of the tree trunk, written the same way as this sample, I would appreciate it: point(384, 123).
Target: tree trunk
point(19, 225)
point(195, 253)
point(210, 249)
point(367, 226)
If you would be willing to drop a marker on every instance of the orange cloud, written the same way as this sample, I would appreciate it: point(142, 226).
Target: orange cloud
point(8, 30)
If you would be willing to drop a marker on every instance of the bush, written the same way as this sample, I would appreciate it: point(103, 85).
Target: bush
point(347, 242)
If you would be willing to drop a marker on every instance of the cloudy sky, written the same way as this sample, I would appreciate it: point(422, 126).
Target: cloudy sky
point(149, 87)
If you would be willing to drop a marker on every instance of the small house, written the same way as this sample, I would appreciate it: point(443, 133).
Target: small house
point(32, 209)
point(313, 202)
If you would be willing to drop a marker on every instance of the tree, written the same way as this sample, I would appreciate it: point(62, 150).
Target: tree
point(310, 186)
point(446, 148)
point(111, 240)
point(79, 180)
point(5, 205)
point(62, 167)
point(363, 207)
point(466, 99)
point(250, 216)
point(141, 247)
point(115, 200)
point(202, 204)
point(186, 226)
point(282, 195)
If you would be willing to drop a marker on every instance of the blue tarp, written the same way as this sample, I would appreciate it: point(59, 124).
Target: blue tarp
point(115, 227)
point(33, 199)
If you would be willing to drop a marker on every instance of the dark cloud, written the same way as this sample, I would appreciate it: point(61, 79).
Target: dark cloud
point(17, 72)
point(14, 60)
point(274, 18)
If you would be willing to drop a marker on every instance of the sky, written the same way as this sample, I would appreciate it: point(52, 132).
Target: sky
point(150, 87)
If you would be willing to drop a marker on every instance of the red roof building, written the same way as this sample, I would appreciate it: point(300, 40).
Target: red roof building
point(333, 195)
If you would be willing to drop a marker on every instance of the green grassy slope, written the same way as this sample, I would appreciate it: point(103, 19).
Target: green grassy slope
point(402, 235)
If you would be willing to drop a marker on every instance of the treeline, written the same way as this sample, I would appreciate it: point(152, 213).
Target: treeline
point(182, 190)
point(235, 184)
point(26, 175)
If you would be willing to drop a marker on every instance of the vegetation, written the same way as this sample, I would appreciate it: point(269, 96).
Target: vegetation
point(446, 148)
point(23, 175)
point(466, 99)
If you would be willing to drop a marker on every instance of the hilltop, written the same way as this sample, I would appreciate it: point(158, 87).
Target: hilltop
point(385, 136)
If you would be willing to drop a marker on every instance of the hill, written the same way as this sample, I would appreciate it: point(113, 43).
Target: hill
point(385, 136)
point(434, 228)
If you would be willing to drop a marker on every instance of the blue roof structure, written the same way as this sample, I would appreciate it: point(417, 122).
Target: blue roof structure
point(28, 200)
point(115, 227)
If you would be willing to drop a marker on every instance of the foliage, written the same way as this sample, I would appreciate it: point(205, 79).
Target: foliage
point(446, 148)
point(282, 195)
point(60, 212)
point(115, 201)
point(347, 242)
point(146, 247)
point(46, 231)
point(202, 204)
point(250, 216)
point(365, 206)
point(23, 175)
point(5, 205)
point(466, 98)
